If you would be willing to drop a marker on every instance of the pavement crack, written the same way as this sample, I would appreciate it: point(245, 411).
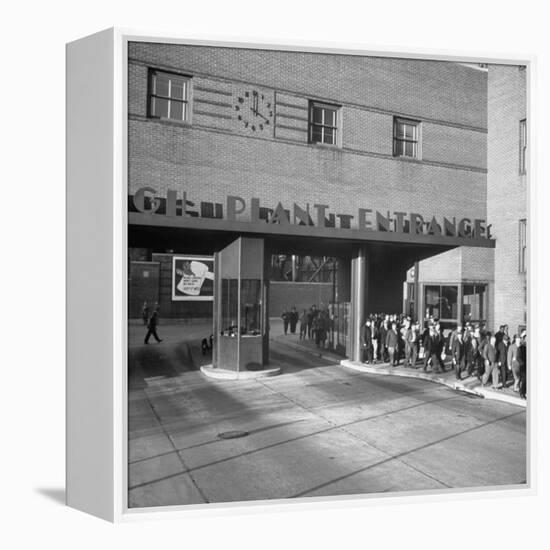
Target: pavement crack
point(180, 458)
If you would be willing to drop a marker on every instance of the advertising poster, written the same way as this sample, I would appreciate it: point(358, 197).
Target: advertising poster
point(193, 278)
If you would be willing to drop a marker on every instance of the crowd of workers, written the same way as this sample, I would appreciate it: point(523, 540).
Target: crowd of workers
point(469, 350)
point(315, 324)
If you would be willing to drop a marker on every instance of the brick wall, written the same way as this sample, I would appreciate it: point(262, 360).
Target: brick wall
point(143, 287)
point(419, 88)
point(507, 189)
point(301, 295)
point(215, 155)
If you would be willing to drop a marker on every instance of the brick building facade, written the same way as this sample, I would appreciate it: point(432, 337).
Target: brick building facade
point(250, 130)
point(507, 191)
point(503, 270)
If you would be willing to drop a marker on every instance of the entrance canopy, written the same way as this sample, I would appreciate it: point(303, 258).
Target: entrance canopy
point(471, 234)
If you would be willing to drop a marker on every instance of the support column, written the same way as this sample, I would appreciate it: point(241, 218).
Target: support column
point(417, 304)
point(358, 299)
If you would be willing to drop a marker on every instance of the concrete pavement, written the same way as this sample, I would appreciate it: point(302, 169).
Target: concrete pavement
point(316, 429)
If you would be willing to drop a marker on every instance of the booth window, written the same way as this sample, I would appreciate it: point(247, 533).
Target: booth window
point(523, 147)
point(406, 138)
point(474, 303)
point(169, 96)
point(522, 245)
point(441, 302)
point(323, 123)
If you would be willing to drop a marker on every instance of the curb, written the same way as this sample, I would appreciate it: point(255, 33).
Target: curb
point(453, 384)
point(226, 374)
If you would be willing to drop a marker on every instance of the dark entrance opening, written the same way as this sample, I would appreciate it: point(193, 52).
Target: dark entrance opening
point(365, 277)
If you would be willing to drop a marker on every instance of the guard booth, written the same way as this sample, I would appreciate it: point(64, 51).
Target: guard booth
point(241, 327)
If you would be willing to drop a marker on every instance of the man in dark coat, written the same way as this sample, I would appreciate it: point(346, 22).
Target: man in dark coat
point(458, 355)
point(490, 359)
point(152, 327)
point(392, 342)
point(286, 320)
point(426, 344)
point(439, 346)
point(515, 358)
point(523, 366)
point(312, 314)
point(382, 333)
point(367, 342)
point(303, 325)
point(432, 346)
point(414, 342)
point(293, 319)
point(320, 327)
point(502, 358)
point(499, 335)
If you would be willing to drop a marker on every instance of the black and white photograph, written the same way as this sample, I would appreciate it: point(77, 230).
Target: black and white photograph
point(327, 274)
point(275, 275)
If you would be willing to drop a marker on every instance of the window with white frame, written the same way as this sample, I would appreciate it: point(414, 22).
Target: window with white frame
point(522, 264)
point(406, 138)
point(323, 123)
point(523, 146)
point(169, 96)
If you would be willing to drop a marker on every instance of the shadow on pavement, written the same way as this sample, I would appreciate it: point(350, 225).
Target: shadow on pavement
point(57, 494)
point(163, 360)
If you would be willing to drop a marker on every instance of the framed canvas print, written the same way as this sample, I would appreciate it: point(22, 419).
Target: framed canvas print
point(294, 273)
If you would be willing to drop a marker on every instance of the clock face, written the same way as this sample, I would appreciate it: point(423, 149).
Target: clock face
point(254, 111)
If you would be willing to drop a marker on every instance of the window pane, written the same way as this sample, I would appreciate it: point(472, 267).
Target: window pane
point(408, 149)
point(178, 89)
point(317, 115)
point(161, 87)
point(230, 304)
point(159, 107)
point(410, 131)
point(329, 136)
point(251, 299)
point(316, 135)
point(449, 302)
point(176, 110)
point(431, 300)
point(473, 303)
point(330, 117)
point(397, 147)
point(399, 130)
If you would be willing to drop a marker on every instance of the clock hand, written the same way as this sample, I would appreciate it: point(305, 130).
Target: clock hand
point(262, 116)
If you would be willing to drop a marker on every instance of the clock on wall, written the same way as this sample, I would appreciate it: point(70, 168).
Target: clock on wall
point(254, 111)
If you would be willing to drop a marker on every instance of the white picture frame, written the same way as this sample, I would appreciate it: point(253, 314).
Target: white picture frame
point(97, 478)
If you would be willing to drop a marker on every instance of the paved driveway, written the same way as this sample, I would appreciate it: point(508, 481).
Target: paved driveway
point(317, 429)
